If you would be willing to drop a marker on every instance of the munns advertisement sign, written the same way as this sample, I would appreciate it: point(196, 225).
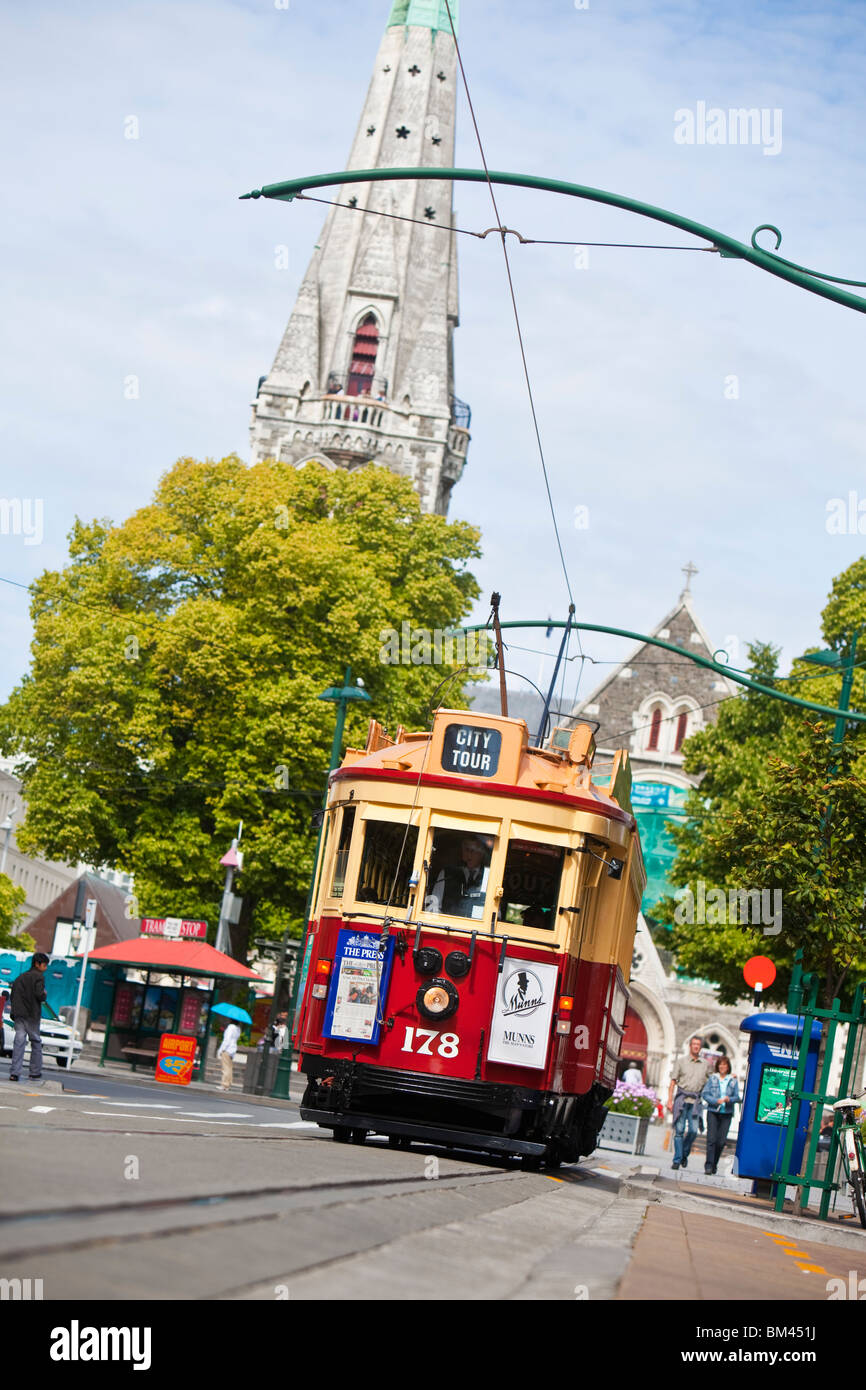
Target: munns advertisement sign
point(520, 1030)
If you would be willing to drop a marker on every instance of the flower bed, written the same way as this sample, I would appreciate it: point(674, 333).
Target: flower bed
point(631, 1099)
point(628, 1116)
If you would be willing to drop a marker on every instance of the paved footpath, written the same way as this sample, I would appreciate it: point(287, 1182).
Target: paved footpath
point(691, 1255)
point(706, 1238)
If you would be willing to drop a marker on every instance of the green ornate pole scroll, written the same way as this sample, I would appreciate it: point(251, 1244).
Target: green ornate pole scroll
point(729, 671)
point(815, 281)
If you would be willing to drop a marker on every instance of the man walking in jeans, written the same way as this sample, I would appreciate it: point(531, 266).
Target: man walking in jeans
point(26, 1000)
point(689, 1077)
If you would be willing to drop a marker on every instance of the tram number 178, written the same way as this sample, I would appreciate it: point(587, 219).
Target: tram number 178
point(422, 1039)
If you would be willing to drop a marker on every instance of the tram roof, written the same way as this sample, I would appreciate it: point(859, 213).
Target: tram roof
point(491, 753)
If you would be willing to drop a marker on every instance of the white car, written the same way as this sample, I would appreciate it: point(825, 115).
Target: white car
point(55, 1038)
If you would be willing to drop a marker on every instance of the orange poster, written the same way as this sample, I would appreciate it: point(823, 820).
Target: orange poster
point(176, 1059)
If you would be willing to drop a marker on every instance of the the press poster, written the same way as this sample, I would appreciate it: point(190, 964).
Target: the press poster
point(359, 987)
point(520, 1030)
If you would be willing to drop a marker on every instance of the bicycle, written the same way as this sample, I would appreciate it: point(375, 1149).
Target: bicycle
point(853, 1151)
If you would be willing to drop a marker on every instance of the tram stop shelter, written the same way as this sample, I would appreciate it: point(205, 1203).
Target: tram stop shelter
point(141, 1011)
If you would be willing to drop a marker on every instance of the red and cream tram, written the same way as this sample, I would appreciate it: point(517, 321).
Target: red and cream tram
point(470, 940)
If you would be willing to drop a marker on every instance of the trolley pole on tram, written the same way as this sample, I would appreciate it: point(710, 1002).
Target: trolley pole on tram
point(342, 698)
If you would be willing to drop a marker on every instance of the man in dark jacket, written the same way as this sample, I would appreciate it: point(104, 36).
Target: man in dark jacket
point(26, 1000)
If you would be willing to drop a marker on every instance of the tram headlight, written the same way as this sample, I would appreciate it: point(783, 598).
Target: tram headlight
point(437, 1000)
point(457, 964)
point(427, 960)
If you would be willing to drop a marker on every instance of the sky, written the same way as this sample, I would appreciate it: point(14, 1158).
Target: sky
point(691, 408)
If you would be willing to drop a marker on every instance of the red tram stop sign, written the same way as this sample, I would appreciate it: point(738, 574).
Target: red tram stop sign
point(176, 1059)
point(759, 973)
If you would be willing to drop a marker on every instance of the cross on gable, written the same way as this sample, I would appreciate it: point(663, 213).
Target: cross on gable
point(688, 571)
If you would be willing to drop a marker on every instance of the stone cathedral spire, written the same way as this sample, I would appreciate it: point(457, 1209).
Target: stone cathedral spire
point(365, 369)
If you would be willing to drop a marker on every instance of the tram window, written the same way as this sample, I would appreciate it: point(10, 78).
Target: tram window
point(338, 882)
point(531, 884)
point(387, 863)
point(459, 871)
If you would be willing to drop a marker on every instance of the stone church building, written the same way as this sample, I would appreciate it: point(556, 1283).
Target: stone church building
point(365, 369)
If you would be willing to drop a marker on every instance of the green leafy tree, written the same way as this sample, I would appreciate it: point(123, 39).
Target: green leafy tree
point(12, 900)
point(781, 809)
point(177, 664)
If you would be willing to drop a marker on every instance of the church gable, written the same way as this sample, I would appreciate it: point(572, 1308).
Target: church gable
point(655, 699)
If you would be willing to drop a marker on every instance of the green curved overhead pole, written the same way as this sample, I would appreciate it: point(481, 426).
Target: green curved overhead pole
point(812, 280)
point(730, 673)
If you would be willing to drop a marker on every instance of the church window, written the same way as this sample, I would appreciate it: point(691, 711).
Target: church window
point(371, 130)
point(442, 76)
point(437, 139)
point(414, 70)
point(403, 132)
point(364, 351)
point(682, 730)
point(430, 213)
point(655, 729)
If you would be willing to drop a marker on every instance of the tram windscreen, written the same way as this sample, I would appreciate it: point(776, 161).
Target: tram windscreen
point(459, 873)
point(531, 884)
point(386, 863)
point(338, 883)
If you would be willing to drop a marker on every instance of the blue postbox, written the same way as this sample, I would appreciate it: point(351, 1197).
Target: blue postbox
point(774, 1051)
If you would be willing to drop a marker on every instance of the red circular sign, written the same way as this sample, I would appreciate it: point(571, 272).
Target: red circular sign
point(760, 970)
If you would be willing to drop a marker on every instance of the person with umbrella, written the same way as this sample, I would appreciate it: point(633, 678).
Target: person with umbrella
point(229, 1045)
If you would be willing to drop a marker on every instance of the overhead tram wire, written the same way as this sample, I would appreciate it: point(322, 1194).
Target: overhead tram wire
point(510, 231)
point(503, 231)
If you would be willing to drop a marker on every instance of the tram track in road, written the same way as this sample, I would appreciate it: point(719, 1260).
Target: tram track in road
point(280, 1201)
point(205, 1199)
point(211, 1244)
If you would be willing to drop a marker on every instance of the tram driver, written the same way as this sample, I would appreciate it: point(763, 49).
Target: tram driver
point(459, 890)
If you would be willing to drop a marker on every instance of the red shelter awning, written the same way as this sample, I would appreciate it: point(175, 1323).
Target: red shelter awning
point(183, 957)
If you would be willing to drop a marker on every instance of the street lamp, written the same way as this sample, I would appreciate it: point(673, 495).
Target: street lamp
point(342, 697)
point(232, 861)
point(833, 659)
point(88, 937)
